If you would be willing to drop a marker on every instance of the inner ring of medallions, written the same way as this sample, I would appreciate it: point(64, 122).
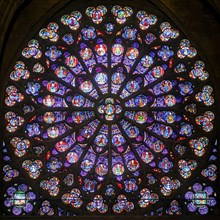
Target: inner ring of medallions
point(109, 109)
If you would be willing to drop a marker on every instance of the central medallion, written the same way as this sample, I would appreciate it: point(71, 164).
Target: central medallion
point(109, 109)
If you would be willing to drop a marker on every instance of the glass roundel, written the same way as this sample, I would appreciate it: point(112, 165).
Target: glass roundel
point(109, 110)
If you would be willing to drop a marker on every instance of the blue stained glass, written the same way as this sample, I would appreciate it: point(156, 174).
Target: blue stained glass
point(109, 110)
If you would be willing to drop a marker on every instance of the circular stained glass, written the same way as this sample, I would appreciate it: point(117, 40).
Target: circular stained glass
point(110, 109)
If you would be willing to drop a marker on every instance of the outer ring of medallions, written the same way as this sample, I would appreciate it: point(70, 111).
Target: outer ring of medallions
point(97, 103)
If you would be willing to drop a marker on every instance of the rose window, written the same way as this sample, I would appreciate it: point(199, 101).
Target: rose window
point(109, 110)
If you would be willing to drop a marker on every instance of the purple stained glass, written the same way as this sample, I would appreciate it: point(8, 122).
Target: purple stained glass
point(109, 110)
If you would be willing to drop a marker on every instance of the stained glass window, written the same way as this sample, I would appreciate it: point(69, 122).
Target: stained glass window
point(109, 110)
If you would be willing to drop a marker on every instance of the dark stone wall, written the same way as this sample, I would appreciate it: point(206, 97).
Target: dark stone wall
point(202, 21)
point(7, 11)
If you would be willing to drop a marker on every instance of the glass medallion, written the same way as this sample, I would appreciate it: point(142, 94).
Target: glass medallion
point(117, 49)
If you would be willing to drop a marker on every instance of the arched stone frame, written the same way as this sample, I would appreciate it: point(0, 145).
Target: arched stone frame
point(59, 5)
